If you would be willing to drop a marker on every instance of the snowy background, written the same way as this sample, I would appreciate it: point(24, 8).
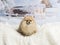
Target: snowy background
point(50, 14)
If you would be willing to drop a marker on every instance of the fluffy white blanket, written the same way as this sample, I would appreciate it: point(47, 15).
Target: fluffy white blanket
point(51, 32)
point(9, 36)
point(47, 34)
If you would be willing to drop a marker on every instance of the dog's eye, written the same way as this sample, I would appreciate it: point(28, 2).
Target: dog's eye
point(30, 20)
point(27, 20)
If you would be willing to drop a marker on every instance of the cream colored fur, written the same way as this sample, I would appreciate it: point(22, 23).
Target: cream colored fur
point(27, 26)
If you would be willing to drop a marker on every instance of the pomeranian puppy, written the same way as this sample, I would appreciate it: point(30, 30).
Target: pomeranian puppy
point(27, 26)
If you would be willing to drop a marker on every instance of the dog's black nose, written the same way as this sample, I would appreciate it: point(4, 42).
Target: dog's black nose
point(27, 22)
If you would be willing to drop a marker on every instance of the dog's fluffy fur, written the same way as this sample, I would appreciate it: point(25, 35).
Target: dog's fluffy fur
point(27, 26)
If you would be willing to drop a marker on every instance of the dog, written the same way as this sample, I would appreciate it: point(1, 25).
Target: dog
point(27, 26)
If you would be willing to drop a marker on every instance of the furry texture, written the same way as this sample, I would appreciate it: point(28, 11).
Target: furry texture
point(9, 36)
point(51, 33)
point(27, 26)
point(48, 34)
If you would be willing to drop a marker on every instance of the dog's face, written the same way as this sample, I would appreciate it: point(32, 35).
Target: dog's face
point(28, 20)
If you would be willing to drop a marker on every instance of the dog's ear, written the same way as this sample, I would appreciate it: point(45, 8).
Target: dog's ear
point(29, 15)
point(33, 16)
point(24, 15)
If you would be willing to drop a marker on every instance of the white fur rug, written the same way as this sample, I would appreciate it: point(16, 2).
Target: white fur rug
point(47, 34)
point(51, 32)
point(9, 36)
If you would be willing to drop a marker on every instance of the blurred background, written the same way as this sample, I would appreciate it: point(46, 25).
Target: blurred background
point(13, 11)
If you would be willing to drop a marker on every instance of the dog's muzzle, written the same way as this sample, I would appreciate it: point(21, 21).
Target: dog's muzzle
point(27, 22)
